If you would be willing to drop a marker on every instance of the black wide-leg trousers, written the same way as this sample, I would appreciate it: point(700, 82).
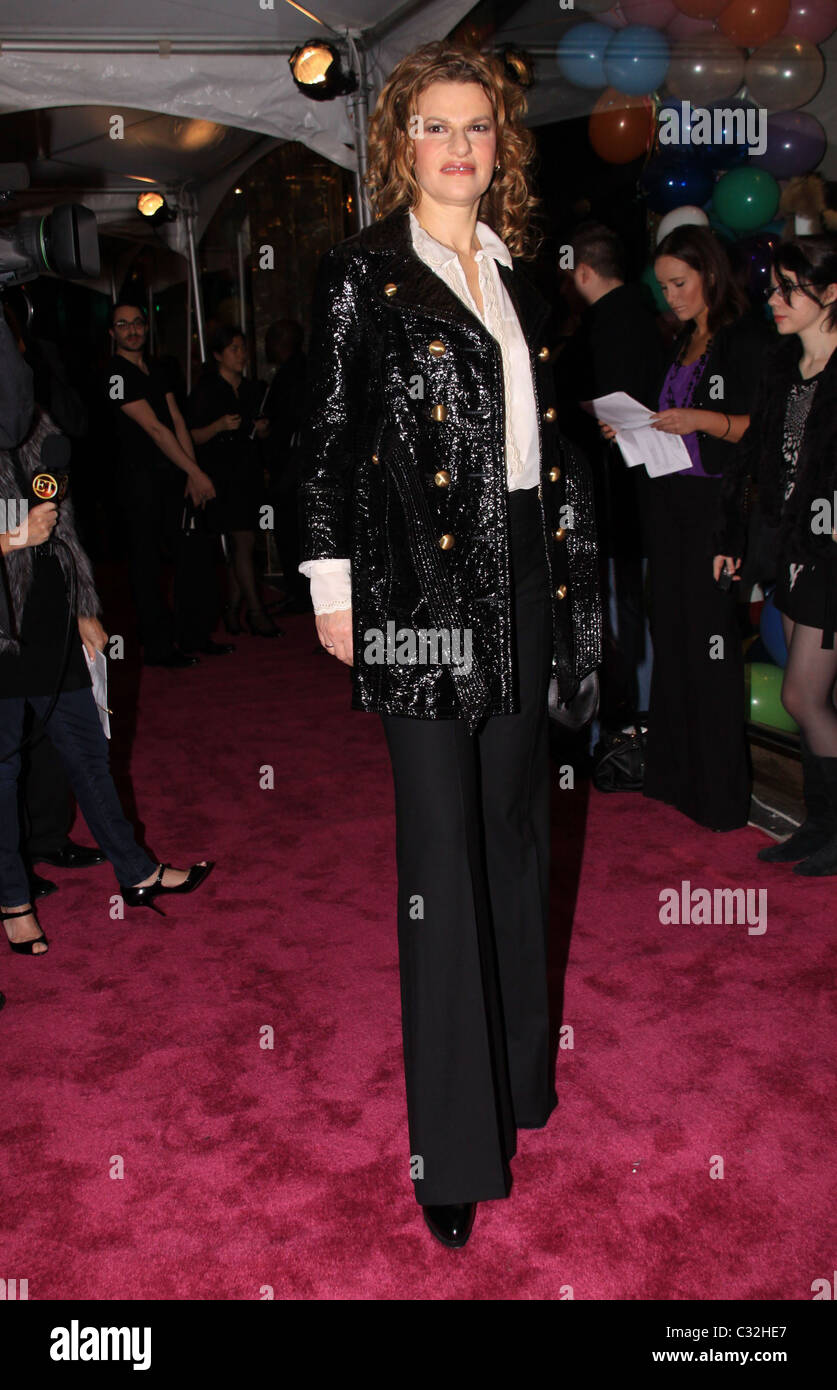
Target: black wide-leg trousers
point(472, 848)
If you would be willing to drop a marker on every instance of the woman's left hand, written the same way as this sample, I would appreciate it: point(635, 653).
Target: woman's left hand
point(93, 636)
point(675, 421)
point(262, 425)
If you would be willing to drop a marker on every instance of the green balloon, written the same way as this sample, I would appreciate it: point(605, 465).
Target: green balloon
point(745, 198)
point(763, 683)
point(649, 278)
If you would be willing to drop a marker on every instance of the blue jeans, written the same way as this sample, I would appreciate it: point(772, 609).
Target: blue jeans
point(77, 735)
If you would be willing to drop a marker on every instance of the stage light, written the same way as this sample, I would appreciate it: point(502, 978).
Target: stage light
point(317, 71)
point(155, 209)
point(150, 203)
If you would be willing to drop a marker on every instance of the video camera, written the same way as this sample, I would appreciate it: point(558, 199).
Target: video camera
point(64, 241)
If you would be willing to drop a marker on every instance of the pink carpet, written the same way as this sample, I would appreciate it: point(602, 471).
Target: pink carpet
point(248, 1165)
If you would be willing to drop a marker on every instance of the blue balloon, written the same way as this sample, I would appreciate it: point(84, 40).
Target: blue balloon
point(696, 131)
point(636, 60)
point(581, 54)
point(672, 183)
point(772, 633)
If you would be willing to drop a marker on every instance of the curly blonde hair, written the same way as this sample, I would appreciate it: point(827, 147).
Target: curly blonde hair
point(508, 203)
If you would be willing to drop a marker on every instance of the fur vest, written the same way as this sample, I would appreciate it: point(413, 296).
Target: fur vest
point(18, 563)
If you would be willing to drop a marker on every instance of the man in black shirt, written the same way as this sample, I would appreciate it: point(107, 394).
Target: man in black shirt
point(155, 450)
point(616, 347)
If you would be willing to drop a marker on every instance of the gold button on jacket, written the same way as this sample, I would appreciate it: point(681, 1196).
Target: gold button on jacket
point(439, 413)
point(446, 541)
point(554, 474)
point(442, 478)
point(436, 348)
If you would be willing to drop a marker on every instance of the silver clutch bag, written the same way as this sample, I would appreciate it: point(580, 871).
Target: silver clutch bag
point(581, 709)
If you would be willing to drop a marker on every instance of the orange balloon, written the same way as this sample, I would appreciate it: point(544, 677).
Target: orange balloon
point(621, 127)
point(751, 22)
point(701, 9)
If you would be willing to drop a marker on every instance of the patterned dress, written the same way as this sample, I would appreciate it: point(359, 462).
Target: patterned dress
point(804, 592)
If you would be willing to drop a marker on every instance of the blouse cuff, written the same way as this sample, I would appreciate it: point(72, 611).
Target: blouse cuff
point(331, 586)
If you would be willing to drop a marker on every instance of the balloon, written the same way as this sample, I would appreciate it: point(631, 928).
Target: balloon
point(670, 182)
point(706, 68)
point(796, 143)
point(636, 60)
point(717, 134)
point(581, 53)
point(649, 278)
point(614, 18)
point(811, 19)
point(763, 684)
point(682, 27)
point(784, 73)
point(685, 216)
point(751, 22)
point(621, 127)
point(701, 9)
point(772, 633)
point(654, 13)
point(745, 198)
point(757, 254)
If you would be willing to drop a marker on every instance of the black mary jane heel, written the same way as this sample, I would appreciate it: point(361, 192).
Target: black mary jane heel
point(144, 895)
point(24, 948)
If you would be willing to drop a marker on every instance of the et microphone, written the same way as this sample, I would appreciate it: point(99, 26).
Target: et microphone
point(52, 480)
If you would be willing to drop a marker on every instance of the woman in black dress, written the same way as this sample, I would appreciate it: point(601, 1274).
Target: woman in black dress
point(790, 454)
point(53, 609)
point(697, 752)
point(225, 421)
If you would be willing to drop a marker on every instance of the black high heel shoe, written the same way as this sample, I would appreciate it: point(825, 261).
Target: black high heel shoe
point(143, 895)
point(24, 948)
point(266, 628)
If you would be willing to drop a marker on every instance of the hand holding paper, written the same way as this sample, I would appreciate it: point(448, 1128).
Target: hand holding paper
point(639, 443)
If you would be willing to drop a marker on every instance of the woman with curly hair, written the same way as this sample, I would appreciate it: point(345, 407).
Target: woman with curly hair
point(447, 532)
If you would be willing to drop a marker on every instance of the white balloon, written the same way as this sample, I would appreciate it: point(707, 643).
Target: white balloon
point(687, 216)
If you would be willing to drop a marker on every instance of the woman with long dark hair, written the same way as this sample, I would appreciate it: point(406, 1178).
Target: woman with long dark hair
point(697, 757)
point(448, 534)
point(789, 454)
point(226, 423)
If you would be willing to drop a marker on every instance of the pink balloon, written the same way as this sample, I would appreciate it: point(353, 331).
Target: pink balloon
point(614, 19)
point(683, 27)
point(811, 19)
point(655, 13)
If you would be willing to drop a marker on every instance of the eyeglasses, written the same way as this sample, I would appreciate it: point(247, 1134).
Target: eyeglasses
point(785, 288)
point(129, 323)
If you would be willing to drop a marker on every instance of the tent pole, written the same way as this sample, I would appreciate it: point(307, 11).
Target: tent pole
point(359, 104)
point(188, 333)
point(196, 284)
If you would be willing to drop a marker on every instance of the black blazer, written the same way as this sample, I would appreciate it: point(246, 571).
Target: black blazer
point(729, 381)
point(403, 471)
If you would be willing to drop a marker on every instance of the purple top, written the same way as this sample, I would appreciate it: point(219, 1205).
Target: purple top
point(680, 380)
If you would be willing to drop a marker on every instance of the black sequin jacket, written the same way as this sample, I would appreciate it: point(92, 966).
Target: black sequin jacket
point(403, 472)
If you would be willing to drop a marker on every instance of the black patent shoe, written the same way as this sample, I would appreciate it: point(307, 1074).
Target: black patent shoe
point(144, 895)
point(24, 948)
point(451, 1225)
point(71, 856)
point(41, 887)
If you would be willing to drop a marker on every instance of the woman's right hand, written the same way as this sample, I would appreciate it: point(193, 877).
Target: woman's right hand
point(335, 633)
point(228, 422)
point(607, 430)
point(726, 562)
point(40, 522)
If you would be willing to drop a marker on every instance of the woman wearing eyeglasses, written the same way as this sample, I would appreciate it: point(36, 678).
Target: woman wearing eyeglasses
point(790, 454)
point(439, 498)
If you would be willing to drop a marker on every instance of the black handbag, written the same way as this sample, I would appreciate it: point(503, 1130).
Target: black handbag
point(581, 709)
point(619, 759)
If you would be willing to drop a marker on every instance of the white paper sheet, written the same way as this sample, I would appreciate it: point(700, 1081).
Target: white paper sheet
point(98, 669)
point(640, 444)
